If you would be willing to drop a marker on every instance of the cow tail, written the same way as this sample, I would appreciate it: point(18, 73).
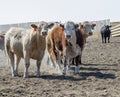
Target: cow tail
point(6, 53)
point(37, 37)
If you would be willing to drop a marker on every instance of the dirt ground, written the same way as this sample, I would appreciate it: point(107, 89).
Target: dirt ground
point(99, 75)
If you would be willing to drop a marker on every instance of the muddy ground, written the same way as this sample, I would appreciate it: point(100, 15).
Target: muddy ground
point(99, 75)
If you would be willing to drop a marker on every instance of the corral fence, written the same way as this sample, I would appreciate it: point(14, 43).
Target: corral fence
point(99, 25)
point(4, 28)
point(115, 30)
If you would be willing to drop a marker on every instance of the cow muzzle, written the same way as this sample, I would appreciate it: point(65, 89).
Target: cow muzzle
point(68, 36)
point(44, 33)
point(90, 33)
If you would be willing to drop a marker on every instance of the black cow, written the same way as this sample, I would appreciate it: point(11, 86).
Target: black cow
point(105, 33)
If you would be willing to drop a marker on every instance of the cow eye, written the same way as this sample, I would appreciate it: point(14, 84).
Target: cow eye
point(72, 28)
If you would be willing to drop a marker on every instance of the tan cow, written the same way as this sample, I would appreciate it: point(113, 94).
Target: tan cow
point(26, 43)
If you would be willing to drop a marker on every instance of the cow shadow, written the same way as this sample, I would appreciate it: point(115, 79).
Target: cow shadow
point(85, 72)
point(62, 77)
point(88, 70)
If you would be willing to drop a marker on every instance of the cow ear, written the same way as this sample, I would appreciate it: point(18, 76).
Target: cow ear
point(93, 25)
point(81, 26)
point(34, 27)
point(61, 25)
point(50, 25)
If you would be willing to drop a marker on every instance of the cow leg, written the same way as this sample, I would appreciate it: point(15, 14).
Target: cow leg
point(27, 64)
point(58, 61)
point(16, 64)
point(26, 70)
point(38, 68)
point(105, 39)
point(73, 61)
point(11, 56)
point(80, 58)
point(108, 39)
point(77, 63)
point(102, 38)
point(64, 62)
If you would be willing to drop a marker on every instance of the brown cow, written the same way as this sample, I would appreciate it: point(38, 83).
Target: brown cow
point(65, 43)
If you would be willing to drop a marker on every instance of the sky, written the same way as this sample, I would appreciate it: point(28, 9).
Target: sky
point(18, 11)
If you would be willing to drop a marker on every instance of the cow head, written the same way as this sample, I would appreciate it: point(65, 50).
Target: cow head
point(107, 26)
point(69, 29)
point(87, 28)
point(42, 28)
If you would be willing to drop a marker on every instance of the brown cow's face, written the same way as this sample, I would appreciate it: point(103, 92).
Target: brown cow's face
point(87, 28)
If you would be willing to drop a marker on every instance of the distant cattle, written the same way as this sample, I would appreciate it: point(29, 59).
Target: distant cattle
point(2, 41)
point(65, 42)
point(26, 43)
point(105, 33)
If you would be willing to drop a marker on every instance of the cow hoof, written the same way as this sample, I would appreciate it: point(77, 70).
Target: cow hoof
point(14, 74)
point(25, 76)
point(38, 75)
point(77, 72)
point(69, 67)
point(64, 71)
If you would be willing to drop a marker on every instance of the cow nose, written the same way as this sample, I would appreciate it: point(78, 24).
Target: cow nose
point(68, 36)
point(90, 33)
point(44, 33)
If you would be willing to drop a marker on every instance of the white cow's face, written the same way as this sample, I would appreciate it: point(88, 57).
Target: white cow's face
point(87, 28)
point(69, 30)
point(42, 28)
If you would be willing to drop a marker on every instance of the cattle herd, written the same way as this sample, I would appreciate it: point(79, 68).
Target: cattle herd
point(64, 43)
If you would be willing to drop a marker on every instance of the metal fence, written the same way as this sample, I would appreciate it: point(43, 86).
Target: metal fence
point(4, 28)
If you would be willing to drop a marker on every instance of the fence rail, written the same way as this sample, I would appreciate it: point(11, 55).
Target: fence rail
point(115, 30)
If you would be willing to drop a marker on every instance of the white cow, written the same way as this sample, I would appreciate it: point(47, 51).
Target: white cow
point(26, 43)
